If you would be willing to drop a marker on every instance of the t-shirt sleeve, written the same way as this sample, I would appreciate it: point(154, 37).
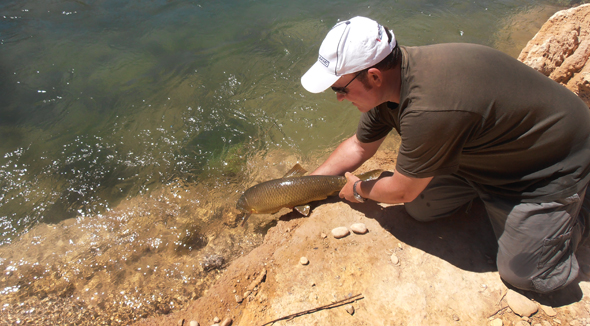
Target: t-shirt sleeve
point(432, 141)
point(372, 126)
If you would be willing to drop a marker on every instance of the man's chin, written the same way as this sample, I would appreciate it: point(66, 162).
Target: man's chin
point(362, 109)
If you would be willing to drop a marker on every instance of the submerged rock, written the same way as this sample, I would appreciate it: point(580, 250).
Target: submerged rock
point(212, 262)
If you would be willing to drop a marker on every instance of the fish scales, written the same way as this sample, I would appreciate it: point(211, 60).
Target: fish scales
point(269, 196)
point(293, 191)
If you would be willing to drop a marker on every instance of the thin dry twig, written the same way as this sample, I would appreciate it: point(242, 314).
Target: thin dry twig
point(497, 311)
point(328, 306)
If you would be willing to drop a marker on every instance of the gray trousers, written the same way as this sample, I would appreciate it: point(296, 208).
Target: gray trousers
point(536, 241)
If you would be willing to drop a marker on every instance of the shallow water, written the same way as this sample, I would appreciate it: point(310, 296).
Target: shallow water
point(130, 128)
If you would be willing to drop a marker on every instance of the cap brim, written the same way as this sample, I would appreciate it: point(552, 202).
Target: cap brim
point(317, 79)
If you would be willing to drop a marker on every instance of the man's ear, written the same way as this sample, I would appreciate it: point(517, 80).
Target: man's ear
point(375, 77)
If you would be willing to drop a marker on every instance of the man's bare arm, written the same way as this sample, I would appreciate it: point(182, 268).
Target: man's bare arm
point(348, 156)
point(395, 189)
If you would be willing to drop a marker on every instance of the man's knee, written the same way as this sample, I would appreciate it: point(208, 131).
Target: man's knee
point(419, 211)
point(523, 273)
point(443, 197)
point(423, 211)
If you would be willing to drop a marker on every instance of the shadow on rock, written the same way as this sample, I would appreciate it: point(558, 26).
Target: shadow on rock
point(465, 239)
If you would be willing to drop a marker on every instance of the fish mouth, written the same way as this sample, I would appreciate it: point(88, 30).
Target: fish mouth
point(242, 205)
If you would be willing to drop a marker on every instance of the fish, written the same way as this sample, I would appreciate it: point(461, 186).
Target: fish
point(294, 190)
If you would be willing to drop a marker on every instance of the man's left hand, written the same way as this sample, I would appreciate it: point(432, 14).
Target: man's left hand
point(346, 191)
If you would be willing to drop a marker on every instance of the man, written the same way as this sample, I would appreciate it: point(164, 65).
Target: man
point(474, 123)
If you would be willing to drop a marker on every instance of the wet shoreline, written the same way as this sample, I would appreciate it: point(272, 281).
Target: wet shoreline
point(150, 255)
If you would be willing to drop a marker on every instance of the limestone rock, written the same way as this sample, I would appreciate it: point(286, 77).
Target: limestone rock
point(496, 322)
point(561, 49)
point(340, 232)
point(549, 311)
point(226, 322)
point(520, 304)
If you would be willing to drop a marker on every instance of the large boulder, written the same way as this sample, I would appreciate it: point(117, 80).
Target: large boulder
point(561, 49)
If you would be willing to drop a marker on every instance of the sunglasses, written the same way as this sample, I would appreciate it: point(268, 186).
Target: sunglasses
point(343, 90)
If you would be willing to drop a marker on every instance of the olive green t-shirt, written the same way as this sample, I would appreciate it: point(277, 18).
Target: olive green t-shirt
point(476, 112)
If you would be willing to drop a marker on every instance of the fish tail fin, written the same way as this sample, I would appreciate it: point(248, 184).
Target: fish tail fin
point(371, 175)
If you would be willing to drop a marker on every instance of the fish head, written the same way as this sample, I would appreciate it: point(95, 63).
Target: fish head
point(243, 206)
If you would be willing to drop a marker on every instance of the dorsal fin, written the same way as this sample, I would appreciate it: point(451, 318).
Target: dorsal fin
point(296, 171)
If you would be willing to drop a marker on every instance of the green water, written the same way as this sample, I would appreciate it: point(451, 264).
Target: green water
point(115, 115)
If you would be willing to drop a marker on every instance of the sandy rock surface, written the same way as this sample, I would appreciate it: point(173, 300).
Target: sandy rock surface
point(561, 49)
point(445, 272)
point(402, 272)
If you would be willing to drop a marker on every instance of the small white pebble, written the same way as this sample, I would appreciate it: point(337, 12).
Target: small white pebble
point(226, 322)
point(303, 261)
point(496, 322)
point(350, 309)
point(394, 259)
point(194, 323)
point(340, 232)
point(359, 228)
point(216, 320)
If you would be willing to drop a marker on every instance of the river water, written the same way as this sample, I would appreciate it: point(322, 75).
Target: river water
point(129, 129)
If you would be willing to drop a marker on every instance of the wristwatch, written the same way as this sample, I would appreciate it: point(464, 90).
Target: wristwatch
point(356, 194)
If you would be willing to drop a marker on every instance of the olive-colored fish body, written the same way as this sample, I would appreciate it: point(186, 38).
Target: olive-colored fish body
point(270, 196)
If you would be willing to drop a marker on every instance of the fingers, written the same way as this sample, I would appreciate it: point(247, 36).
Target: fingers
point(346, 191)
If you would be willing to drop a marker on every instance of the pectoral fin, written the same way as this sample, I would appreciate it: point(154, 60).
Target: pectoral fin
point(303, 209)
point(244, 218)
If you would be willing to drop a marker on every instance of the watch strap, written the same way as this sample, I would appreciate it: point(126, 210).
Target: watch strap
point(356, 194)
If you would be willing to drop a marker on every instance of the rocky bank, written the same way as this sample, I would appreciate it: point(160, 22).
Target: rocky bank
point(400, 272)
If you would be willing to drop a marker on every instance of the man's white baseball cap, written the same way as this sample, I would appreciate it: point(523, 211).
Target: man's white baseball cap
point(350, 46)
